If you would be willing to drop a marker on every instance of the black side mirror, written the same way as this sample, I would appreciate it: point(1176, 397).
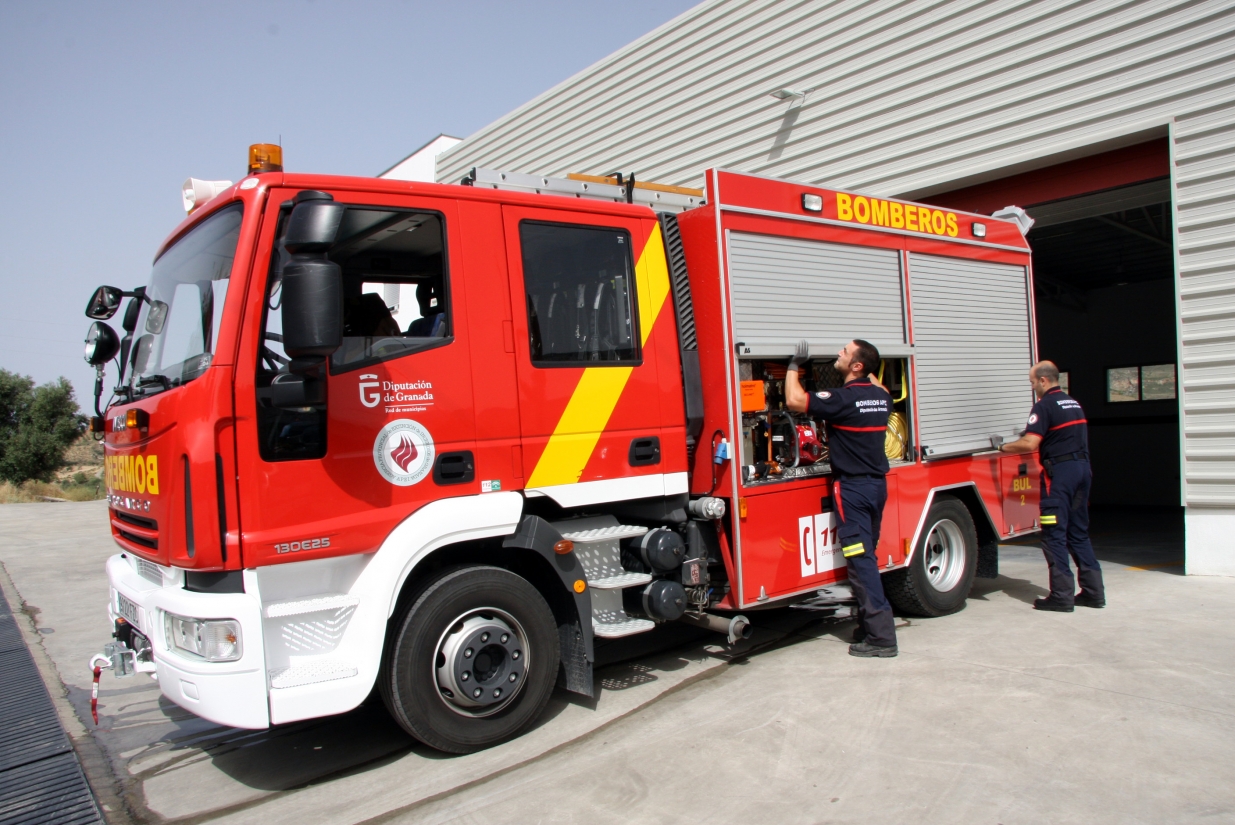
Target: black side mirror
point(104, 303)
point(156, 317)
point(101, 344)
point(289, 391)
point(312, 284)
point(133, 310)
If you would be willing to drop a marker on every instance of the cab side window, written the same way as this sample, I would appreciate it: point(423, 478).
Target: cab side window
point(580, 294)
point(396, 302)
point(395, 291)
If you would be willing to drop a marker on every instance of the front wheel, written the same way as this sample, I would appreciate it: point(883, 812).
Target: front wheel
point(940, 574)
point(473, 661)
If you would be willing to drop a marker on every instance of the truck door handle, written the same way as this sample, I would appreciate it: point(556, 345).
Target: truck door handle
point(454, 468)
point(644, 451)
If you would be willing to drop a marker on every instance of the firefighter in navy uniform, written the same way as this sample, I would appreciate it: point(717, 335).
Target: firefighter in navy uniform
point(856, 418)
point(1057, 429)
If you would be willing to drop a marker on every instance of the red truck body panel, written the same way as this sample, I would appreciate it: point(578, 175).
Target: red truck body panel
point(486, 396)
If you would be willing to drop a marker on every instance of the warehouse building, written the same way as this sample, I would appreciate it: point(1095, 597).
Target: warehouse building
point(1113, 123)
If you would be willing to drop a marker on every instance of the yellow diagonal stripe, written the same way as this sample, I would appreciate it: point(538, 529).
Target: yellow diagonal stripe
point(599, 388)
point(652, 280)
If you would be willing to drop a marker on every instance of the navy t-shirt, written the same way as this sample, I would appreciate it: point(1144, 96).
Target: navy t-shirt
point(856, 420)
point(1059, 419)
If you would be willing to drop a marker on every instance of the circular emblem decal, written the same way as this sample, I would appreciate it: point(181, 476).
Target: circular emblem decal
point(823, 395)
point(1033, 418)
point(403, 452)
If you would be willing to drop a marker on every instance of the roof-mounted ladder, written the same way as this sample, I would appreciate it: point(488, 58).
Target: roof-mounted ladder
point(658, 197)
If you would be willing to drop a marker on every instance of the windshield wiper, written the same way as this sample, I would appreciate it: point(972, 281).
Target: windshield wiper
point(150, 380)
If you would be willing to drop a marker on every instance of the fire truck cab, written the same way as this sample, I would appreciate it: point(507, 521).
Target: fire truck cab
point(438, 439)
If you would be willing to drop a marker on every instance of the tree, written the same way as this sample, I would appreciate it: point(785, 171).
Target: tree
point(37, 424)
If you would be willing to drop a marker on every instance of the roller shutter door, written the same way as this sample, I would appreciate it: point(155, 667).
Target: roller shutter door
point(785, 289)
point(971, 335)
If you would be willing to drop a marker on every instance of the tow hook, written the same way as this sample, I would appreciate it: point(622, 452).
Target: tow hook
point(120, 660)
point(123, 662)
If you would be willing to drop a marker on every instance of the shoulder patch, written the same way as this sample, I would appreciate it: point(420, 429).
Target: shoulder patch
point(1033, 418)
point(823, 396)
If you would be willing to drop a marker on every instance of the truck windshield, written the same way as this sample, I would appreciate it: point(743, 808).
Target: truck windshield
point(179, 322)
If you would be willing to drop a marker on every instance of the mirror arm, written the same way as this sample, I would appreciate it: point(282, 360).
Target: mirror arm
point(98, 388)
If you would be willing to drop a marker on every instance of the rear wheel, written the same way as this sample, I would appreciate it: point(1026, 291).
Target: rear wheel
point(473, 660)
point(940, 574)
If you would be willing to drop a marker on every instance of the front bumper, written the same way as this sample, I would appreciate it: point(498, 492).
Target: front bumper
point(229, 693)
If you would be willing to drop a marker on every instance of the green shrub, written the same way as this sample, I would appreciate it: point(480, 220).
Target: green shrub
point(37, 425)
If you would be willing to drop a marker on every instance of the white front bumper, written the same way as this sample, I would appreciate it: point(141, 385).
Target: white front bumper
point(229, 693)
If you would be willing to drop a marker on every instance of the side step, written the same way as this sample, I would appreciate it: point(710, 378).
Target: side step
point(598, 546)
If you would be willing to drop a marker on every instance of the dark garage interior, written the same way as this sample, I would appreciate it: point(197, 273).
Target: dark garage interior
point(1105, 301)
point(1105, 304)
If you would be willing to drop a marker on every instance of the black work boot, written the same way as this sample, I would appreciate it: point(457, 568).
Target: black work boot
point(1084, 599)
point(859, 634)
point(1052, 604)
point(870, 651)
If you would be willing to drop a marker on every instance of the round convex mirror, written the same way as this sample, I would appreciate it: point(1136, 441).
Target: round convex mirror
point(101, 344)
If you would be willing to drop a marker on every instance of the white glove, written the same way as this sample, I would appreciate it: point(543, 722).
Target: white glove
point(801, 355)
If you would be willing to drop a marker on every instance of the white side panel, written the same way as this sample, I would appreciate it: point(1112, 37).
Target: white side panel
point(972, 343)
point(614, 489)
point(785, 289)
point(338, 674)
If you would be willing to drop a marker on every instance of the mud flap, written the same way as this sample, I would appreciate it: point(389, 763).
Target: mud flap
point(988, 560)
point(574, 631)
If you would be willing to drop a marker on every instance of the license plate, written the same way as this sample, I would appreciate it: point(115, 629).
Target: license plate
point(127, 610)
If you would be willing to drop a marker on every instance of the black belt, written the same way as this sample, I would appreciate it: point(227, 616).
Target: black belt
point(1060, 459)
point(860, 475)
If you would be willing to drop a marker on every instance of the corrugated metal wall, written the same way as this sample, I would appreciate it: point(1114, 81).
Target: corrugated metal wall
point(917, 97)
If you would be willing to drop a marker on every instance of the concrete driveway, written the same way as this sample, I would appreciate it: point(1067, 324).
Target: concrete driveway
point(998, 714)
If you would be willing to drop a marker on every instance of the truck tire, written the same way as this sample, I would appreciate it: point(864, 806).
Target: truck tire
point(938, 578)
point(472, 662)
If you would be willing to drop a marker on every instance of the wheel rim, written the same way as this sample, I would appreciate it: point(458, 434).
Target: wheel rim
point(944, 555)
point(481, 662)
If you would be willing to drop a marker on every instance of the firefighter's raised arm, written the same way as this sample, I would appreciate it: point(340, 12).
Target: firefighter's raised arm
point(796, 398)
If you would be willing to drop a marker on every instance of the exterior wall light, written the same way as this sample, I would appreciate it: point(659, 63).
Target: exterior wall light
point(788, 94)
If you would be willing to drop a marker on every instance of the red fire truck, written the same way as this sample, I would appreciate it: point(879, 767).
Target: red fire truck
point(438, 439)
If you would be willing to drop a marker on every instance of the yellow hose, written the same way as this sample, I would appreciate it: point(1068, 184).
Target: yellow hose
point(896, 442)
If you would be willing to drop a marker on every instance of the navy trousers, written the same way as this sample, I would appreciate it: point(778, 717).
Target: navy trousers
point(1065, 531)
point(859, 506)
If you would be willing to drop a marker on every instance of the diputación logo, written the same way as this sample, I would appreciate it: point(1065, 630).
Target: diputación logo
point(403, 452)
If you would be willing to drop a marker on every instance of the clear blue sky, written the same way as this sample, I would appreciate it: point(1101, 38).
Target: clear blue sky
point(107, 107)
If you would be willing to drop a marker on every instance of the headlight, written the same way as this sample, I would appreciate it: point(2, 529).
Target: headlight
point(215, 640)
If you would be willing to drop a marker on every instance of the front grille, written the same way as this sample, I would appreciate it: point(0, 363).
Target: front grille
point(137, 521)
point(150, 572)
point(144, 532)
point(142, 541)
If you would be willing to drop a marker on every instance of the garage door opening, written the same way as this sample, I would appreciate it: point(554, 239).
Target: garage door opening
point(1105, 294)
point(1106, 314)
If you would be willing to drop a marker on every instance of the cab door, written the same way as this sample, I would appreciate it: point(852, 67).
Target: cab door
point(397, 430)
point(586, 304)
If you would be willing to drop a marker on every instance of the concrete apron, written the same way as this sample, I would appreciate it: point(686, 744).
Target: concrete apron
point(169, 764)
point(997, 713)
